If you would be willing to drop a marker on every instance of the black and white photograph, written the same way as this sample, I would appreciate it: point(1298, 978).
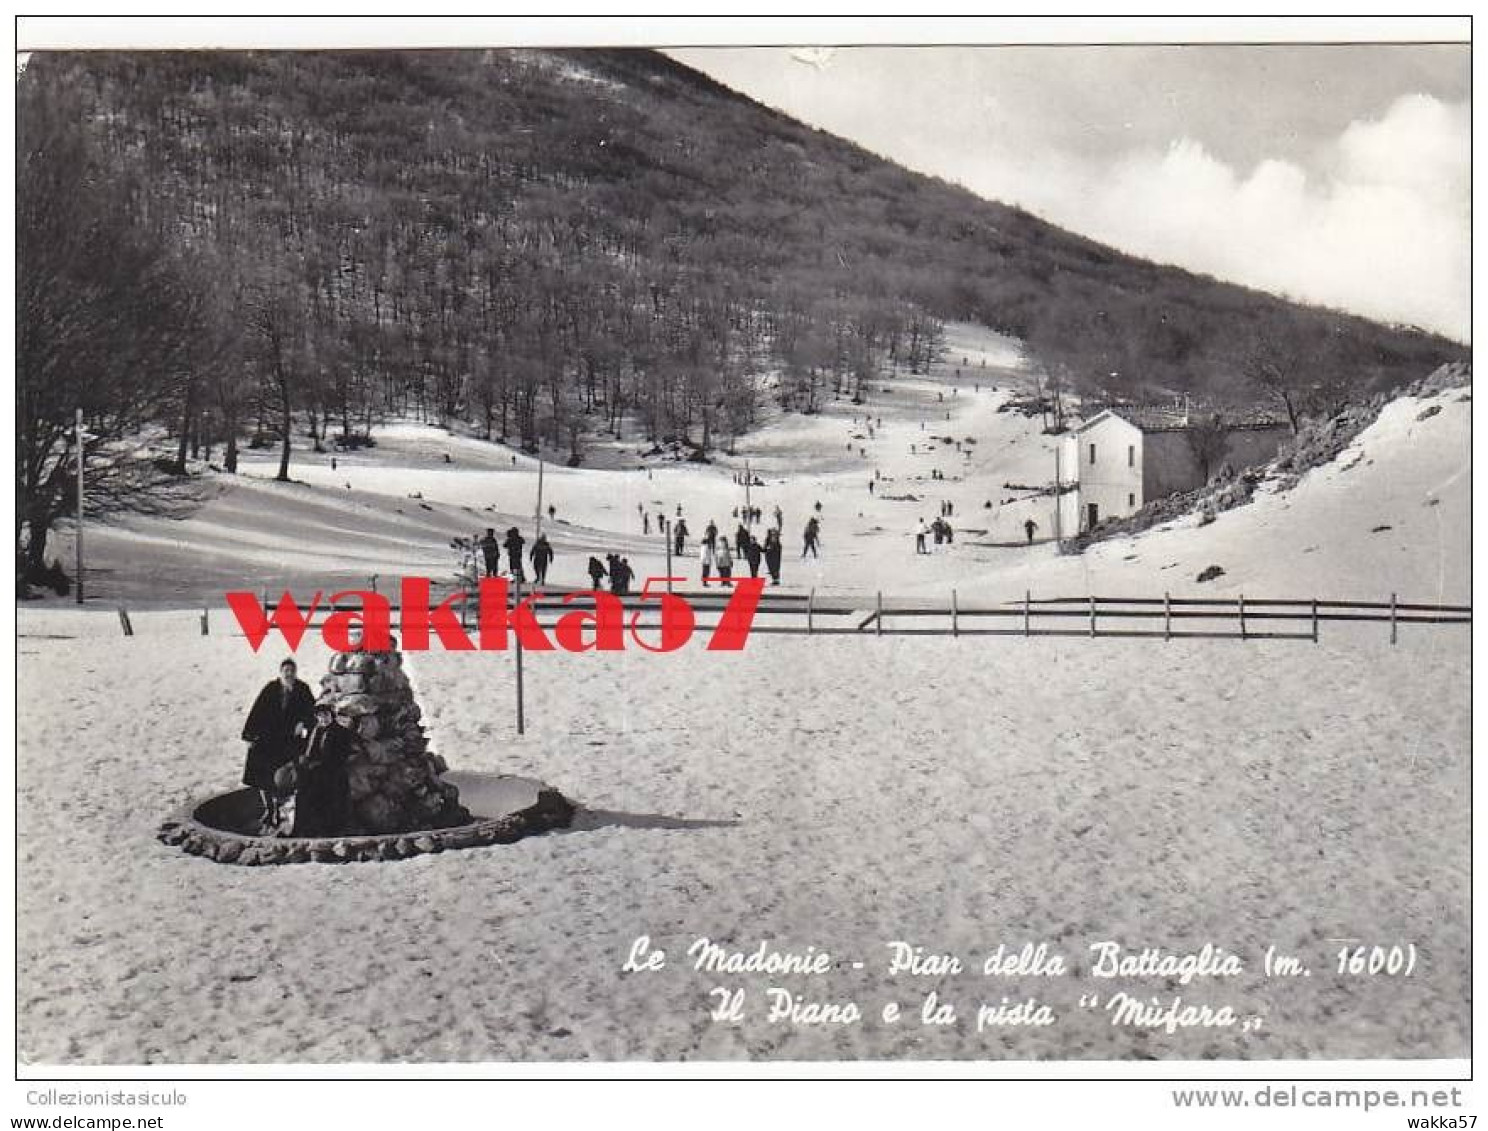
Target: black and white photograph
point(798, 550)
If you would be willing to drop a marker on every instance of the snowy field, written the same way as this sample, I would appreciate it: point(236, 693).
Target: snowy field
point(836, 793)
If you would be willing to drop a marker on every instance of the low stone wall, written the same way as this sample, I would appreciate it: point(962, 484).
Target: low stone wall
point(191, 831)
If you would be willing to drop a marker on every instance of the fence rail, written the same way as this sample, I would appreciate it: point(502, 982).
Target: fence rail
point(812, 614)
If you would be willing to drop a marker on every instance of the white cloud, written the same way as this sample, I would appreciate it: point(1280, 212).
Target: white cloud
point(1380, 227)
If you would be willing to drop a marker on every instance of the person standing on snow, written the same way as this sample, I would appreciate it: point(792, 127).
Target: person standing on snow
point(491, 552)
point(920, 531)
point(542, 557)
point(812, 534)
point(752, 555)
point(282, 714)
point(514, 543)
point(774, 551)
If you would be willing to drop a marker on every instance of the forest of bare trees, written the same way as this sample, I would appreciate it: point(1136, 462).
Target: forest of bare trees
point(282, 250)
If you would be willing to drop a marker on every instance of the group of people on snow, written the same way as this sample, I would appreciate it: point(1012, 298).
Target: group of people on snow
point(717, 558)
point(614, 567)
point(541, 555)
point(297, 749)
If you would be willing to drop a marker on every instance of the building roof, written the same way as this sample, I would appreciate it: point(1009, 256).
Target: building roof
point(1173, 418)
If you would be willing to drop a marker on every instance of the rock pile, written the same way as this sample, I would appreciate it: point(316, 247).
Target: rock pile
point(394, 778)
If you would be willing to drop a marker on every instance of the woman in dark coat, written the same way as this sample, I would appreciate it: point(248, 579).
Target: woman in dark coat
point(773, 551)
point(279, 718)
point(322, 793)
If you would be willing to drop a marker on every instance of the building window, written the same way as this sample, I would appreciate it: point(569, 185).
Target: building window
point(1131, 455)
point(1131, 499)
point(1092, 453)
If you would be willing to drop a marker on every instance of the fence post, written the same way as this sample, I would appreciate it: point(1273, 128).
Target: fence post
point(1167, 616)
point(1392, 618)
point(878, 615)
point(955, 628)
point(1242, 615)
point(810, 601)
point(1092, 614)
point(204, 621)
point(1027, 600)
point(124, 622)
point(1314, 620)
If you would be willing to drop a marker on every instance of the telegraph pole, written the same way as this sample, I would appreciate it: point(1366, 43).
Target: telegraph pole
point(78, 435)
point(748, 479)
point(521, 728)
point(539, 497)
point(1058, 502)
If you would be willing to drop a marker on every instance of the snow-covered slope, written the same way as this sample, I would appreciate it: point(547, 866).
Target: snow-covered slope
point(1391, 514)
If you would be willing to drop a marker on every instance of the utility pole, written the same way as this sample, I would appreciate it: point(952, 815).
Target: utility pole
point(521, 728)
point(78, 436)
point(1058, 501)
point(748, 479)
point(539, 498)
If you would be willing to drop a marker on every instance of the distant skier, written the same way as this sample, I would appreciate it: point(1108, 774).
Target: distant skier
point(779, 518)
point(597, 572)
point(705, 555)
point(491, 552)
point(1028, 528)
point(724, 559)
point(620, 577)
point(920, 531)
point(514, 543)
point(645, 522)
point(679, 545)
point(542, 557)
point(811, 537)
point(752, 555)
point(710, 535)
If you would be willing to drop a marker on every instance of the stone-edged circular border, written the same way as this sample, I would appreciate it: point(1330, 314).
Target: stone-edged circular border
point(188, 832)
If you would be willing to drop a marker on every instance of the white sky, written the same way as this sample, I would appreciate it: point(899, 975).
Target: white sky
point(1338, 175)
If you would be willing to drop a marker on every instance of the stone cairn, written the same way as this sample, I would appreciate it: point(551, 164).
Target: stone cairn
point(394, 778)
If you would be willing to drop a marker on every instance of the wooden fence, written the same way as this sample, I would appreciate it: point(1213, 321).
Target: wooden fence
point(1158, 618)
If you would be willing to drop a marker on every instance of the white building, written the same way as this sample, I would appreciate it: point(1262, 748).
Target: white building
point(1123, 458)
